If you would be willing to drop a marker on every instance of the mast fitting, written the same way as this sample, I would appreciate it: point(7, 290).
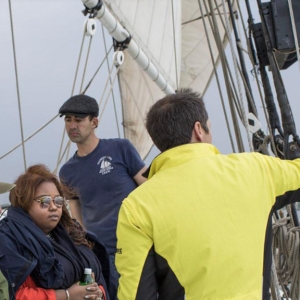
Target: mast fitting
point(120, 46)
point(90, 26)
point(118, 58)
point(92, 7)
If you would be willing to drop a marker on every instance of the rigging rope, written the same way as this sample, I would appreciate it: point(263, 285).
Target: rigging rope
point(234, 95)
point(196, 19)
point(282, 226)
point(286, 251)
point(60, 155)
point(175, 48)
point(217, 78)
point(275, 291)
point(108, 67)
point(17, 84)
point(27, 139)
point(60, 158)
point(86, 62)
point(82, 91)
point(67, 148)
point(243, 73)
point(98, 69)
point(258, 83)
point(286, 111)
point(78, 63)
point(225, 73)
point(109, 92)
point(237, 70)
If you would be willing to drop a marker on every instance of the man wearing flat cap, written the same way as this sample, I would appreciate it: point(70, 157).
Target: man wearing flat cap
point(4, 188)
point(103, 171)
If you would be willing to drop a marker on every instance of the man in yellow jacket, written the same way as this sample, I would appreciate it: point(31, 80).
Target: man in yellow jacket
point(196, 229)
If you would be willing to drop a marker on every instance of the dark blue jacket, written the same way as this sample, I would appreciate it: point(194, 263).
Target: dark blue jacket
point(25, 250)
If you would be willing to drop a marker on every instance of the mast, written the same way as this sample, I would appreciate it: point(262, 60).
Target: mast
point(288, 123)
point(123, 38)
point(290, 149)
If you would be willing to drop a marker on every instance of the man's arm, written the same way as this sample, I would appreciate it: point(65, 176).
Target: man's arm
point(139, 178)
point(75, 209)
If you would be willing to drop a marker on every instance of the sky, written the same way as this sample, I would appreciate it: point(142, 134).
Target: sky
point(47, 39)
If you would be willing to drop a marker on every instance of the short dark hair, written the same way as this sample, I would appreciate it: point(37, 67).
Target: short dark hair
point(170, 120)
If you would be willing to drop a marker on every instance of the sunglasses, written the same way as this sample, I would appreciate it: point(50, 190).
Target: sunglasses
point(45, 201)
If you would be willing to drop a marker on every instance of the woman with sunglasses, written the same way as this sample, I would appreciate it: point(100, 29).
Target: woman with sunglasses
point(43, 251)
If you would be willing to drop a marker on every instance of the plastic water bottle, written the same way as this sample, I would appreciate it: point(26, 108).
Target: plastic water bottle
point(87, 277)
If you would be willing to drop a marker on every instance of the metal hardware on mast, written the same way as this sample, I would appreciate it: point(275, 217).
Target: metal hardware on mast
point(288, 123)
point(120, 34)
point(287, 118)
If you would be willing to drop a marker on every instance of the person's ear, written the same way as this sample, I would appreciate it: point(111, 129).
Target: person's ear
point(95, 122)
point(197, 135)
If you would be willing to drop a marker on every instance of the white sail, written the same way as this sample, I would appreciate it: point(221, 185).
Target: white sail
point(155, 26)
point(172, 35)
point(196, 73)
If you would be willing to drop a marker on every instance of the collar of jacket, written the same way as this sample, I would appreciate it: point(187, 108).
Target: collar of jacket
point(178, 154)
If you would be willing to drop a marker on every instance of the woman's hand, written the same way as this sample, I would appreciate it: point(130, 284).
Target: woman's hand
point(80, 292)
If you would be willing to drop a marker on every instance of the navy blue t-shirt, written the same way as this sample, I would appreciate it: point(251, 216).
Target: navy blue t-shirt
point(103, 179)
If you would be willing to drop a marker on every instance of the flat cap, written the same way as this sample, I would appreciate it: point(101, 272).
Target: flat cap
point(80, 106)
point(5, 187)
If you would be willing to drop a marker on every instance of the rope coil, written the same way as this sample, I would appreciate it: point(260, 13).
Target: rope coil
point(286, 253)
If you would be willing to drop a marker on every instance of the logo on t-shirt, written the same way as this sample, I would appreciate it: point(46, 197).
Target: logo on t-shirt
point(105, 164)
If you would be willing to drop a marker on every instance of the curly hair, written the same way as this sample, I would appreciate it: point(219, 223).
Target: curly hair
point(23, 193)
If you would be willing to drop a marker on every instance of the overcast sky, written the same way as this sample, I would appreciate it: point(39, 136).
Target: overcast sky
point(47, 37)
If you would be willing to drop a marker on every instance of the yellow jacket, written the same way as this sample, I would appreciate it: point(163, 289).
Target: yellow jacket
point(206, 215)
